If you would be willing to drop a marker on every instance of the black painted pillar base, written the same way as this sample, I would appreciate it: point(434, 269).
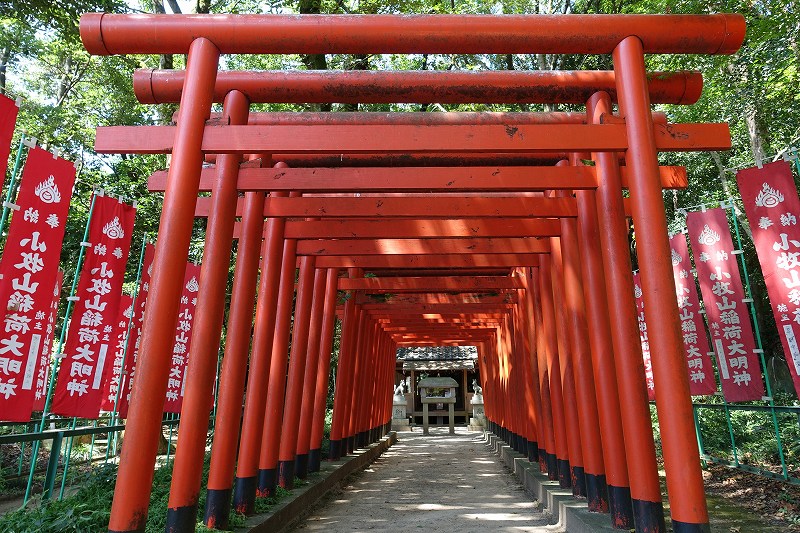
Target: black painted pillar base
point(351, 441)
point(181, 519)
point(533, 451)
point(684, 527)
point(267, 482)
point(335, 450)
point(578, 481)
point(301, 466)
point(552, 467)
point(620, 507)
point(286, 474)
point(244, 495)
point(597, 493)
point(314, 460)
point(218, 508)
point(564, 474)
point(649, 516)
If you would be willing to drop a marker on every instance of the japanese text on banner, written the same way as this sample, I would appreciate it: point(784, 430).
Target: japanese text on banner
point(119, 337)
point(183, 337)
point(693, 329)
point(43, 374)
point(643, 336)
point(89, 349)
point(773, 209)
point(29, 268)
point(135, 340)
point(727, 313)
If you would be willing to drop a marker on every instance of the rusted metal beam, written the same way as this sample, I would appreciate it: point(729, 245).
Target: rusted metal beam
point(413, 284)
point(153, 86)
point(105, 34)
point(419, 179)
point(412, 139)
point(355, 247)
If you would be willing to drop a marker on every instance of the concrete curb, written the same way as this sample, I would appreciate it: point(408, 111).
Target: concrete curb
point(287, 513)
point(566, 510)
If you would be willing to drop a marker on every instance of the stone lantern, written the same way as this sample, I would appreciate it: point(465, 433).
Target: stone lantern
point(441, 391)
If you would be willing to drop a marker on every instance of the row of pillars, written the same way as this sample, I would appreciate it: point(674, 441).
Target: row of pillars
point(582, 422)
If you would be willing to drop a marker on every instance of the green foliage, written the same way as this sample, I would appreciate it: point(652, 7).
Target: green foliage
point(87, 510)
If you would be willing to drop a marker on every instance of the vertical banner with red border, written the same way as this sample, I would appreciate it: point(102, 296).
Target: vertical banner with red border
point(43, 374)
point(773, 209)
point(8, 119)
point(28, 272)
point(134, 342)
point(183, 337)
point(643, 336)
point(726, 309)
point(90, 347)
point(693, 328)
point(118, 336)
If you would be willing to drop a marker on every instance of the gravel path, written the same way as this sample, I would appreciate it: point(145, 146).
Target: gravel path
point(438, 483)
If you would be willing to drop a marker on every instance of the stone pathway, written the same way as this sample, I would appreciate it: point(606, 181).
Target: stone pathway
point(438, 483)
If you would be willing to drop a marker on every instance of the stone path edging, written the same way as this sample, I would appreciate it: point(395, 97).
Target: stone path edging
point(290, 511)
point(565, 508)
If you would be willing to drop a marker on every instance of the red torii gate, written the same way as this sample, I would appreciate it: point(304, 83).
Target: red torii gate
point(552, 286)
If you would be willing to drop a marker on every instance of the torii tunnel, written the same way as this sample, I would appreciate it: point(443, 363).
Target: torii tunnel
point(504, 231)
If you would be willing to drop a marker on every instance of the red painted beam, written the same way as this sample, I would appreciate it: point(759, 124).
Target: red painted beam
point(106, 34)
point(438, 298)
point(453, 207)
point(411, 284)
point(153, 86)
point(413, 139)
point(354, 247)
point(422, 229)
point(418, 179)
point(444, 262)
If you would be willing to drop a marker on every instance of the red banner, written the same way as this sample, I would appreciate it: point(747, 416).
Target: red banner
point(693, 329)
point(643, 336)
point(136, 331)
point(28, 273)
point(118, 336)
point(773, 209)
point(43, 374)
point(89, 349)
point(8, 119)
point(728, 317)
point(183, 337)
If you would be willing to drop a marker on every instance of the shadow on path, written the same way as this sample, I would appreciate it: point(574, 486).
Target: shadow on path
point(437, 483)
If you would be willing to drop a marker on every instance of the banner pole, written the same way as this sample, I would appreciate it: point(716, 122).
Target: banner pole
point(125, 347)
point(757, 331)
point(59, 355)
point(12, 184)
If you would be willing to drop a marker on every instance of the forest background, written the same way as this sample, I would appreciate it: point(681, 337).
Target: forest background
point(66, 93)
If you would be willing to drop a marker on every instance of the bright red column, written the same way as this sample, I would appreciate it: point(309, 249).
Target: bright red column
point(297, 366)
point(310, 378)
point(358, 383)
point(583, 374)
point(244, 489)
point(603, 365)
point(273, 413)
point(135, 477)
point(234, 363)
point(344, 376)
point(198, 395)
point(561, 451)
point(533, 366)
point(547, 460)
point(321, 389)
point(640, 453)
point(670, 373)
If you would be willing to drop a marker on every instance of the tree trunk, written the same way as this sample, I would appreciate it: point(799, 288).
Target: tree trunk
point(756, 134)
point(5, 56)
